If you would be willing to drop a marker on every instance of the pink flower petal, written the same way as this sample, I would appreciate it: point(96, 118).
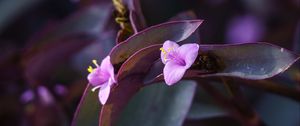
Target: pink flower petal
point(97, 77)
point(104, 93)
point(167, 46)
point(189, 53)
point(107, 67)
point(173, 72)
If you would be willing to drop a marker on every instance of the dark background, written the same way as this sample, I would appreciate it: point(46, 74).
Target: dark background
point(53, 98)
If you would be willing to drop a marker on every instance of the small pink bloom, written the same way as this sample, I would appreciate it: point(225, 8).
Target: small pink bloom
point(177, 60)
point(102, 77)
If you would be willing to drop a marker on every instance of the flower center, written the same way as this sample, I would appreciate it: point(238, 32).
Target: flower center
point(90, 68)
point(171, 54)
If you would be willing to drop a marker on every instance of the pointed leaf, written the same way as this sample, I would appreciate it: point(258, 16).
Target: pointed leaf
point(175, 31)
point(251, 61)
point(87, 112)
point(159, 105)
point(137, 18)
point(118, 99)
point(179, 96)
point(157, 67)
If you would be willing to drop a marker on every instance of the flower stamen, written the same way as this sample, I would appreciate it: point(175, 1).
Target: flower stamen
point(165, 53)
point(90, 69)
point(95, 63)
point(95, 88)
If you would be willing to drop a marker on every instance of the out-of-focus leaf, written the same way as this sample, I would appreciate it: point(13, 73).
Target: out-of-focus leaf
point(250, 61)
point(159, 105)
point(137, 19)
point(175, 31)
point(88, 21)
point(44, 110)
point(61, 43)
point(162, 11)
point(37, 67)
point(297, 39)
point(10, 9)
point(87, 113)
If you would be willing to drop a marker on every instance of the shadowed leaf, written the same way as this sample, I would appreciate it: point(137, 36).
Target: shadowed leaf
point(37, 67)
point(87, 113)
point(61, 43)
point(253, 61)
point(213, 121)
point(175, 31)
point(250, 61)
point(137, 19)
point(118, 99)
point(86, 21)
point(159, 105)
point(139, 62)
point(129, 82)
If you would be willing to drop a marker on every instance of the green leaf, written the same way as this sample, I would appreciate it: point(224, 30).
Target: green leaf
point(87, 113)
point(159, 105)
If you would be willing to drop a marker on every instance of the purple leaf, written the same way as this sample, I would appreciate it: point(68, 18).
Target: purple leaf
point(157, 67)
point(130, 81)
point(159, 105)
point(139, 62)
point(134, 69)
point(87, 112)
point(136, 16)
point(118, 99)
point(88, 21)
point(175, 31)
point(37, 67)
point(251, 61)
point(188, 15)
point(62, 42)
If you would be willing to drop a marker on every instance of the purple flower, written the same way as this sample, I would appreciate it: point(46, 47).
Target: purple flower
point(102, 77)
point(177, 60)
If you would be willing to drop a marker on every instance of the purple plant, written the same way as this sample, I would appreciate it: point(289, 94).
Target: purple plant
point(152, 55)
point(137, 54)
point(177, 60)
point(102, 77)
point(144, 45)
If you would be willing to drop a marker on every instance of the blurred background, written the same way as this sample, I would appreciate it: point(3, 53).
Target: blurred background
point(46, 46)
